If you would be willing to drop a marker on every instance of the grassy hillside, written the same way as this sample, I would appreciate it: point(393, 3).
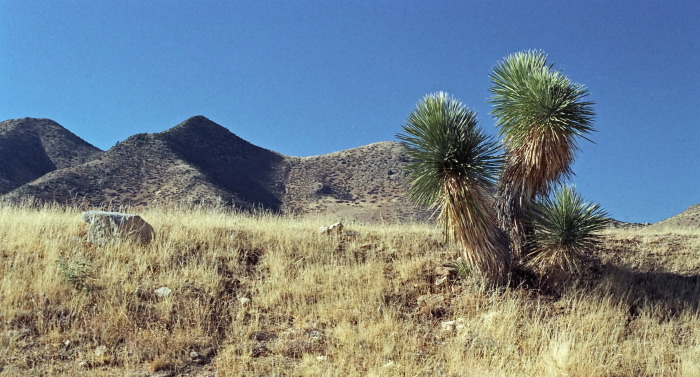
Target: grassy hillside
point(263, 295)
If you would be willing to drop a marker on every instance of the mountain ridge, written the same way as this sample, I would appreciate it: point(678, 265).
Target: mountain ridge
point(199, 161)
point(32, 147)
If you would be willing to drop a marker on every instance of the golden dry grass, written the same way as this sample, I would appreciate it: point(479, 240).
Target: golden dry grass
point(364, 303)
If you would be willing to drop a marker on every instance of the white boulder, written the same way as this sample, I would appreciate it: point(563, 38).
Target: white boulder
point(114, 226)
point(336, 228)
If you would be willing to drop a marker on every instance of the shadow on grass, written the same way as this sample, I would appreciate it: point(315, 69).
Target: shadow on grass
point(672, 293)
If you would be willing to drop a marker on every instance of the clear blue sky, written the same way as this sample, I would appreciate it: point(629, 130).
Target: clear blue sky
point(312, 77)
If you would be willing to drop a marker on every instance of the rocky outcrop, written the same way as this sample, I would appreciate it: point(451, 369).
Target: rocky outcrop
point(106, 227)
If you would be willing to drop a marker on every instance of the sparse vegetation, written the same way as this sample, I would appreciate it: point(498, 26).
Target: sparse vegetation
point(265, 295)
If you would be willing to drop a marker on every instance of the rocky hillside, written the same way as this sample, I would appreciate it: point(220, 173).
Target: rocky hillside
point(365, 183)
point(30, 148)
point(199, 161)
point(690, 218)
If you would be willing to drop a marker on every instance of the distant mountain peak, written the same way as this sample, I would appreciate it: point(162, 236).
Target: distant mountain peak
point(32, 147)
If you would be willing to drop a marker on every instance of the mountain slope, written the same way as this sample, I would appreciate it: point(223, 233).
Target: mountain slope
point(196, 161)
point(30, 148)
point(199, 161)
point(690, 218)
point(365, 183)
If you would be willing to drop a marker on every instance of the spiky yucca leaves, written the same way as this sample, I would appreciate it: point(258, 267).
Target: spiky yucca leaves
point(454, 170)
point(564, 227)
point(539, 113)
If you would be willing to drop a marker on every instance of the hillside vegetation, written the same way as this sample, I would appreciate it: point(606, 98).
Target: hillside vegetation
point(267, 295)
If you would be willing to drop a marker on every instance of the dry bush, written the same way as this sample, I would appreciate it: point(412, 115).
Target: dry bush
point(266, 295)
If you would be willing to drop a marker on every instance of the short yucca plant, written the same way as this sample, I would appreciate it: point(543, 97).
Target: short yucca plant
point(455, 169)
point(564, 227)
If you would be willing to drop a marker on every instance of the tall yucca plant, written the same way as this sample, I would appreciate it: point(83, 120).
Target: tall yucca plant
point(564, 227)
point(454, 171)
point(540, 114)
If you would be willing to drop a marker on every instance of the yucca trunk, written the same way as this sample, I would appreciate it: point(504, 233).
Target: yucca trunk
point(531, 169)
point(470, 214)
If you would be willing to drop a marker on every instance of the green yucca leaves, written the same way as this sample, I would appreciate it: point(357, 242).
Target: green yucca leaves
point(454, 170)
point(564, 227)
point(529, 94)
point(442, 136)
point(540, 113)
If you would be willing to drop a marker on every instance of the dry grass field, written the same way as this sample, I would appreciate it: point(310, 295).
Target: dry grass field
point(261, 295)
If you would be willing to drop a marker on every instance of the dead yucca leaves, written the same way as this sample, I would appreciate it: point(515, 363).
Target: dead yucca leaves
point(564, 227)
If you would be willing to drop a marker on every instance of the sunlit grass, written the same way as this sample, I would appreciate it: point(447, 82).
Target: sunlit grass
point(266, 295)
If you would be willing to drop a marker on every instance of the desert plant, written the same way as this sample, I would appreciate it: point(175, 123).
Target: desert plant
point(76, 272)
point(539, 113)
point(454, 169)
point(564, 227)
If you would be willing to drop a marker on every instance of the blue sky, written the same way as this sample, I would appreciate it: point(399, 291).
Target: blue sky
point(312, 77)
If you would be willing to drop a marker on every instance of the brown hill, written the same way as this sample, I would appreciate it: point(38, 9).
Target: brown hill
point(196, 161)
point(199, 161)
point(365, 183)
point(690, 218)
point(30, 148)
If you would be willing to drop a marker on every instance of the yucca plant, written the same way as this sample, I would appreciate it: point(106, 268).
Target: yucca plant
point(540, 114)
point(564, 227)
point(454, 171)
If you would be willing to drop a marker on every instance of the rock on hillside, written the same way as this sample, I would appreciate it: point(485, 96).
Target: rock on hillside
point(30, 148)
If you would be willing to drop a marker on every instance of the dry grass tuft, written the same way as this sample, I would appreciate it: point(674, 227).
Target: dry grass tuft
point(264, 295)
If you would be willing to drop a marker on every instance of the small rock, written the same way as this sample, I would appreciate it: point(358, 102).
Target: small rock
point(243, 300)
point(67, 342)
point(447, 326)
point(444, 271)
point(431, 300)
point(315, 335)
point(321, 358)
point(100, 351)
point(458, 325)
point(84, 364)
point(194, 355)
point(336, 228)
point(441, 280)
point(163, 292)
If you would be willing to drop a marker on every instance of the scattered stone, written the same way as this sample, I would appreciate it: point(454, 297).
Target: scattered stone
point(336, 228)
point(321, 358)
point(163, 292)
point(441, 280)
point(67, 342)
point(315, 335)
point(431, 300)
point(101, 351)
point(444, 271)
point(243, 301)
point(194, 355)
point(455, 326)
point(116, 227)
